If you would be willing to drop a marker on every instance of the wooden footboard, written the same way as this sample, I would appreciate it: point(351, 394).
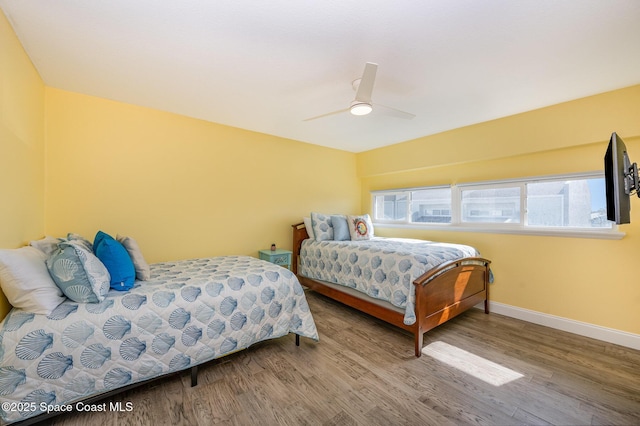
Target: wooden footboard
point(449, 290)
point(441, 293)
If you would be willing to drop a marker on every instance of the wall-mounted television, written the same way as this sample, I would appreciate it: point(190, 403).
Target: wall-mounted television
point(621, 180)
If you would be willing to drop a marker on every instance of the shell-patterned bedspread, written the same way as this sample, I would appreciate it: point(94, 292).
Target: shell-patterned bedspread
point(190, 312)
point(382, 268)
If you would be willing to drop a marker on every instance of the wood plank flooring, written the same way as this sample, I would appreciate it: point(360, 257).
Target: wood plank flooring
point(363, 372)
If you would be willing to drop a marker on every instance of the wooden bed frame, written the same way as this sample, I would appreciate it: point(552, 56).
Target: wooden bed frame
point(441, 293)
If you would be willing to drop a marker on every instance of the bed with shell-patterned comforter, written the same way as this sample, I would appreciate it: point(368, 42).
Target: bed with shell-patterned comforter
point(190, 312)
point(381, 268)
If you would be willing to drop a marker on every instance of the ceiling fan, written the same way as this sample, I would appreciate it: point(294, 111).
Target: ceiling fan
point(362, 104)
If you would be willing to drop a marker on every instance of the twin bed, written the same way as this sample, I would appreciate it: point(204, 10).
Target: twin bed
point(189, 312)
point(413, 284)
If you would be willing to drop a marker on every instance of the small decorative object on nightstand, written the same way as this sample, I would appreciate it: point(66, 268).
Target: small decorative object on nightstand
point(278, 256)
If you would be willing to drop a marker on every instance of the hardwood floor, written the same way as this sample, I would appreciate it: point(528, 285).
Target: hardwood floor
point(363, 372)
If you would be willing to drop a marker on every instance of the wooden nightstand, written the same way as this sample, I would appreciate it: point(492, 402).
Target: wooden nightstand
point(279, 257)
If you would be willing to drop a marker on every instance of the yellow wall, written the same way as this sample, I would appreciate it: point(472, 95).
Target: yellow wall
point(589, 280)
point(21, 146)
point(182, 187)
point(187, 188)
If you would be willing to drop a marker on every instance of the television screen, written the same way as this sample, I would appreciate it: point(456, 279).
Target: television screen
point(620, 180)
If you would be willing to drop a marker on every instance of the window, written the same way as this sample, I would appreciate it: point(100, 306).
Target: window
point(431, 205)
point(427, 205)
point(567, 204)
point(492, 205)
point(392, 207)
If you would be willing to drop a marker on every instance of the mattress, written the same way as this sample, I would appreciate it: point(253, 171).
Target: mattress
point(381, 268)
point(190, 312)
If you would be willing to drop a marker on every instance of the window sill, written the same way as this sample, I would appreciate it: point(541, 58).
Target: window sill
point(605, 234)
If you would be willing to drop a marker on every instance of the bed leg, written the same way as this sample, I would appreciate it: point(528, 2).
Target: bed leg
point(419, 336)
point(194, 376)
point(487, 281)
point(297, 340)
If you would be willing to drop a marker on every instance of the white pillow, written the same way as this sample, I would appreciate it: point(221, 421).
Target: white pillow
point(360, 227)
point(307, 225)
point(143, 271)
point(26, 282)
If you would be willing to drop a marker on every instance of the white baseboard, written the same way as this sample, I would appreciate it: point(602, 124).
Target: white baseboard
point(610, 335)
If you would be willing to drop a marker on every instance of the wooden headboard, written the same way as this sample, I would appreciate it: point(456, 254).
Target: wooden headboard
point(5, 306)
point(299, 234)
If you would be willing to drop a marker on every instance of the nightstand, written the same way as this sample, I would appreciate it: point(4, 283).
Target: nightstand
point(278, 256)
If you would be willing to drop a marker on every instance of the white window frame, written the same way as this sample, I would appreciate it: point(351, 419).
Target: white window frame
point(499, 228)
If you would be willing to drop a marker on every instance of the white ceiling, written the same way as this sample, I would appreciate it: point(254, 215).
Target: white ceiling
point(267, 65)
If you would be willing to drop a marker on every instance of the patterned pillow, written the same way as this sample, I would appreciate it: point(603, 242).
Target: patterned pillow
point(78, 273)
point(86, 244)
point(47, 245)
point(360, 227)
point(322, 226)
point(340, 228)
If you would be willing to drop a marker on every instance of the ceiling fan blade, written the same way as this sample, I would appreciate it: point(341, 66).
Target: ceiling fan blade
point(365, 88)
point(393, 112)
point(327, 114)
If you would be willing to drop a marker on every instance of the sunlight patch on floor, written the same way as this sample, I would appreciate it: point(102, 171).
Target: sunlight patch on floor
point(481, 368)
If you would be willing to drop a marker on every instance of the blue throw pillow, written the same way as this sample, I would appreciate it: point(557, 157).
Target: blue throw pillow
point(117, 261)
point(340, 228)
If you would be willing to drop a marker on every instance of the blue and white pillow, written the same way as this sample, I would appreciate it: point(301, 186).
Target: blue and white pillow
point(86, 244)
point(78, 273)
point(47, 245)
point(322, 226)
